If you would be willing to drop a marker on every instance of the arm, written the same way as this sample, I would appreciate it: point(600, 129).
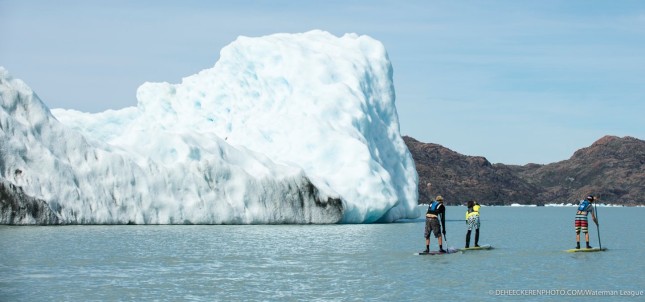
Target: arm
point(593, 216)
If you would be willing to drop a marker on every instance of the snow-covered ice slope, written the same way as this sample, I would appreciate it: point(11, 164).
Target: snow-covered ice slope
point(286, 128)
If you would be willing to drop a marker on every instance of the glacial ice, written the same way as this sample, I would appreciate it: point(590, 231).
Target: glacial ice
point(285, 128)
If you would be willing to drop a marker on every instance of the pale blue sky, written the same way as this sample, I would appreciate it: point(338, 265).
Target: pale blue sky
point(513, 81)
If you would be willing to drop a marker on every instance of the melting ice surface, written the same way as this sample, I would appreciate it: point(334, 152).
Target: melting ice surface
point(286, 128)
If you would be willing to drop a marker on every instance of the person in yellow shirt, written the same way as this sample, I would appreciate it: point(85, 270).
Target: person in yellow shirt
point(472, 220)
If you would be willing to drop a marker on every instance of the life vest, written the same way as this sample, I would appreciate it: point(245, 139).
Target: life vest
point(432, 209)
point(472, 212)
point(583, 205)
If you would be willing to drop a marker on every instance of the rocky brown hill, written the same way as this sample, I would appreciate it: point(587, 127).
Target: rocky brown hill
point(612, 168)
point(459, 178)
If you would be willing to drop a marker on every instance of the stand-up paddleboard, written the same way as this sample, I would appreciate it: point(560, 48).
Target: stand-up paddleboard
point(476, 248)
point(595, 249)
point(448, 251)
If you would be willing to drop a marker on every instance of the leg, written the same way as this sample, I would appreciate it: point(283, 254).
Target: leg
point(584, 229)
point(578, 227)
point(477, 237)
point(477, 224)
point(470, 227)
point(441, 244)
point(436, 229)
point(426, 234)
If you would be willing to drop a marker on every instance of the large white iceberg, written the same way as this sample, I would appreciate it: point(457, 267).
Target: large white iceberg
point(286, 128)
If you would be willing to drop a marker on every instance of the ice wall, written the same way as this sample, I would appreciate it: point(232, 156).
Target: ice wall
point(286, 128)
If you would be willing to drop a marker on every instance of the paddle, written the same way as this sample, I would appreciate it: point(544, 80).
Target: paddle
point(445, 238)
point(597, 225)
point(445, 242)
point(443, 227)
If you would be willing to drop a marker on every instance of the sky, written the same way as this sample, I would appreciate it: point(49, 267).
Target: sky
point(514, 81)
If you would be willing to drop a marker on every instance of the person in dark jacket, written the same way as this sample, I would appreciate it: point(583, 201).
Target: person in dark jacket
point(435, 222)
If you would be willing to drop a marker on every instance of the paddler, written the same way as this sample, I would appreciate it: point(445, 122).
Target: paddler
point(472, 220)
point(584, 208)
point(436, 212)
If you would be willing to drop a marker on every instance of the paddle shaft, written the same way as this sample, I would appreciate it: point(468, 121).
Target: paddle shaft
point(597, 225)
point(445, 238)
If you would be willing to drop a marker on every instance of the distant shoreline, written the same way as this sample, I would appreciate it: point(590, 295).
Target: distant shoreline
point(552, 205)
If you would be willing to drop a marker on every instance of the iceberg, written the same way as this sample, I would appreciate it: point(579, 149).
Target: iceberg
point(286, 128)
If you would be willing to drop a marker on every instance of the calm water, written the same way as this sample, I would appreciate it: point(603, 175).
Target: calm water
point(326, 262)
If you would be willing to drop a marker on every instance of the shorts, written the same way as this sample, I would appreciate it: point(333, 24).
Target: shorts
point(473, 222)
point(581, 224)
point(432, 225)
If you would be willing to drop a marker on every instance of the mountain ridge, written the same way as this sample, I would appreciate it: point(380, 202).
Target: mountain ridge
point(612, 168)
